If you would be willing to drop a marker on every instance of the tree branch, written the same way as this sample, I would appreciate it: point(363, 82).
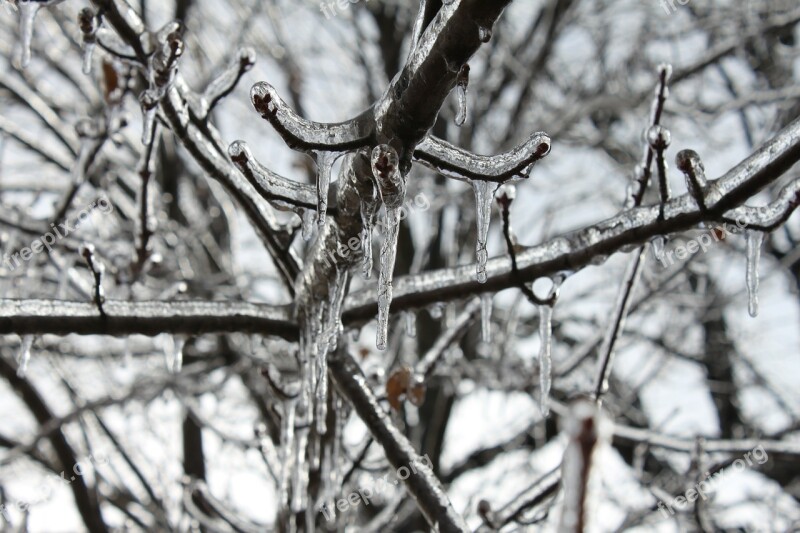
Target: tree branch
point(38, 317)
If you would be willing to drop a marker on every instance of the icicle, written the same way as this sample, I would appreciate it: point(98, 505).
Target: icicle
point(545, 335)
point(325, 162)
point(314, 451)
point(308, 217)
point(486, 317)
point(127, 352)
point(388, 253)
point(177, 360)
point(367, 212)
point(322, 397)
point(24, 355)
point(658, 248)
point(484, 34)
point(287, 448)
point(545, 362)
point(392, 188)
point(329, 340)
point(328, 503)
point(336, 293)
point(411, 324)
point(88, 50)
point(461, 93)
point(88, 25)
point(173, 352)
point(436, 311)
point(300, 474)
point(149, 104)
point(484, 196)
point(27, 16)
point(754, 240)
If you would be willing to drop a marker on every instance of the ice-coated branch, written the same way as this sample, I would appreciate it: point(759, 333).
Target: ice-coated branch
point(97, 269)
point(689, 162)
point(279, 191)
point(226, 82)
point(427, 363)
point(85, 499)
point(304, 135)
point(457, 163)
point(531, 498)
point(632, 435)
point(659, 137)
point(127, 24)
point(641, 178)
point(202, 141)
point(39, 317)
point(34, 100)
point(574, 250)
point(408, 109)
point(218, 508)
point(617, 322)
point(768, 217)
point(422, 484)
point(35, 143)
point(209, 155)
point(586, 430)
point(146, 219)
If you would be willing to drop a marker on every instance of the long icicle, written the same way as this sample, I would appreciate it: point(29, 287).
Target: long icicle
point(545, 358)
point(486, 317)
point(24, 355)
point(388, 255)
point(325, 162)
point(484, 196)
point(545, 347)
point(392, 189)
point(754, 240)
point(27, 17)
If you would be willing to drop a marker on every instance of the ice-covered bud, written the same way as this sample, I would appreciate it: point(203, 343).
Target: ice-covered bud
point(247, 58)
point(87, 128)
point(505, 195)
point(264, 99)
point(665, 71)
point(693, 170)
point(87, 22)
point(658, 137)
point(386, 168)
point(688, 161)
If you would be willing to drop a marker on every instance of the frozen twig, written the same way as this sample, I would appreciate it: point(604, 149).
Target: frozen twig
point(427, 363)
point(423, 485)
point(146, 318)
point(587, 430)
point(576, 249)
point(279, 191)
point(457, 163)
point(305, 135)
point(226, 82)
point(97, 269)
